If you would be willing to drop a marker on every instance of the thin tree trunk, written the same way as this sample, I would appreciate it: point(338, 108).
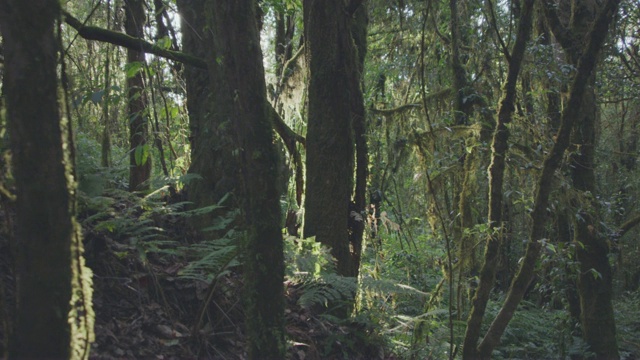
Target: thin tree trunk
point(496, 180)
point(569, 116)
point(106, 132)
point(140, 151)
point(463, 110)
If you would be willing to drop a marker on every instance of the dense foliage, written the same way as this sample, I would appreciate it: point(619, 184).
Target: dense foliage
point(435, 77)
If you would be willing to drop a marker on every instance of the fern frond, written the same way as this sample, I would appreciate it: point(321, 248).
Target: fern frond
point(383, 286)
point(327, 290)
point(210, 259)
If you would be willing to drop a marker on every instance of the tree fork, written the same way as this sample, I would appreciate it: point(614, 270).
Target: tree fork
point(551, 164)
point(496, 179)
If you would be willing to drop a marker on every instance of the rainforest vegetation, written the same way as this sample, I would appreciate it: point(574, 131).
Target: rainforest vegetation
point(320, 179)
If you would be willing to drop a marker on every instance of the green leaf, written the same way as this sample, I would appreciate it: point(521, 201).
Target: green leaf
point(173, 112)
point(133, 68)
point(551, 248)
point(142, 154)
point(596, 274)
point(164, 42)
point(96, 97)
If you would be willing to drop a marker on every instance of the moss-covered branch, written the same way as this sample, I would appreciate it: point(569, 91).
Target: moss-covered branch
point(628, 225)
point(6, 194)
point(289, 138)
point(129, 42)
point(442, 94)
point(396, 110)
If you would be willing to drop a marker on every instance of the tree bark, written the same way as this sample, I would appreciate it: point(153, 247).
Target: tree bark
point(496, 180)
point(44, 218)
point(239, 94)
point(138, 118)
point(570, 115)
point(595, 277)
point(358, 113)
point(210, 135)
point(330, 142)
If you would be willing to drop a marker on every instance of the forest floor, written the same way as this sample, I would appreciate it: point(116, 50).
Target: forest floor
point(145, 310)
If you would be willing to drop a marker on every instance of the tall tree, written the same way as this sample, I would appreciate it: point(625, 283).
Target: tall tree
point(212, 158)
point(332, 59)
point(140, 151)
point(462, 112)
point(239, 94)
point(47, 239)
point(359, 26)
point(571, 29)
point(570, 116)
point(496, 178)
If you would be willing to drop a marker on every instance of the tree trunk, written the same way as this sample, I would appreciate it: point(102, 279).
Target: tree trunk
point(212, 156)
point(140, 151)
point(105, 149)
point(239, 95)
point(44, 218)
point(570, 115)
point(467, 188)
point(356, 228)
point(496, 180)
point(595, 278)
point(330, 142)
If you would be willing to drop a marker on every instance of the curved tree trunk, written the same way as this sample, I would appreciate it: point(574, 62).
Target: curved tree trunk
point(496, 180)
point(570, 116)
point(595, 292)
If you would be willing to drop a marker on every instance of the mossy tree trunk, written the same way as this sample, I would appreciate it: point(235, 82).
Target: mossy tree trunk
point(332, 59)
point(499, 149)
point(239, 94)
point(570, 116)
point(138, 118)
point(211, 140)
point(571, 29)
point(45, 229)
point(358, 113)
point(466, 189)
point(595, 278)
point(553, 112)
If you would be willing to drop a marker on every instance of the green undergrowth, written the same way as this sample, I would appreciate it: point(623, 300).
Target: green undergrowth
point(398, 307)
